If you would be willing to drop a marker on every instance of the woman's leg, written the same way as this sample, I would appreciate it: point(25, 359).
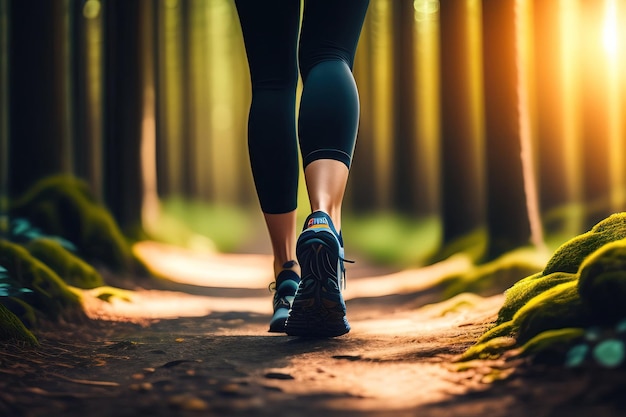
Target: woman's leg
point(328, 123)
point(329, 108)
point(270, 31)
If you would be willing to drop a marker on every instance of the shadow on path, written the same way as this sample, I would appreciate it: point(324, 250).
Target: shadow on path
point(197, 344)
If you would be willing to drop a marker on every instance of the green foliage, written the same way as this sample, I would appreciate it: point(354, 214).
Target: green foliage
point(23, 231)
point(12, 329)
point(64, 206)
point(199, 225)
point(9, 287)
point(582, 285)
point(473, 244)
point(391, 239)
point(69, 267)
point(50, 294)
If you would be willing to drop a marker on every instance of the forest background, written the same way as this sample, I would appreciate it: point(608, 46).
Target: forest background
point(485, 125)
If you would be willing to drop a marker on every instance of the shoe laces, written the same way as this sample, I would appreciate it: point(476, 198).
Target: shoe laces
point(343, 272)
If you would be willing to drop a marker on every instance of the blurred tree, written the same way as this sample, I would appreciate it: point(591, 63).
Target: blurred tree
point(4, 117)
point(359, 192)
point(405, 187)
point(40, 77)
point(374, 167)
point(551, 133)
point(128, 36)
point(88, 109)
point(594, 114)
point(507, 215)
point(173, 103)
point(461, 124)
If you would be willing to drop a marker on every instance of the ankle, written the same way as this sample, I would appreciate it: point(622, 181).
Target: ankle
point(291, 265)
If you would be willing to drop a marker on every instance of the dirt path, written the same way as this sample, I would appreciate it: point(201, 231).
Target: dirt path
point(189, 349)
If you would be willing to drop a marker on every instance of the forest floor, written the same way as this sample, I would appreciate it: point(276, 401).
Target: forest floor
point(196, 343)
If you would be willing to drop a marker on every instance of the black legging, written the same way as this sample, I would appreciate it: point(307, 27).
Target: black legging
point(329, 107)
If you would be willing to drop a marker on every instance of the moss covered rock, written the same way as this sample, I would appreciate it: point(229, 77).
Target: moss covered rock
point(569, 256)
point(64, 206)
point(527, 289)
point(12, 329)
point(69, 267)
point(602, 282)
point(495, 276)
point(582, 285)
point(50, 296)
point(556, 308)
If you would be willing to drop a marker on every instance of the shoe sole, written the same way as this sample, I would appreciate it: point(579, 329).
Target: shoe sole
point(277, 325)
point(318, 309)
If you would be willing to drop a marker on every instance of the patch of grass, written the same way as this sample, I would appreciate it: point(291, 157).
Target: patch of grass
point(200, 225)
point(392, 239)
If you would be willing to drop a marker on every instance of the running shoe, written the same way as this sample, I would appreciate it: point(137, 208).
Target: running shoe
point(318, 309)
point(284, 289)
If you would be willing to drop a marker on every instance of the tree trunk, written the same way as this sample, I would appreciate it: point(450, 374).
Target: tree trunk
point(461, 173)
point(39, 78)
point(404, 187)
point(88, 94)
point(594, 114)
point(4, 117)
point(360, 194)
point(551, 153)
point(124, 93)
point(507, 218)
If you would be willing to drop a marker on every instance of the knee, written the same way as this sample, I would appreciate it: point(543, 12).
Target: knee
point(310, 60)
point(283, 79)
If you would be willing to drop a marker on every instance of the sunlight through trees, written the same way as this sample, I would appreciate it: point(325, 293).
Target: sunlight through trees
point(171, 82)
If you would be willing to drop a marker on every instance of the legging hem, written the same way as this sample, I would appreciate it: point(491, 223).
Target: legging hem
point(334, 154)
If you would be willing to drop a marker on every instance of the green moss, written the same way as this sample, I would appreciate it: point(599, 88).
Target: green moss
point(528, 288)
point(602, 282)
point(500, 330)
point(64, 206)
point(550, 339)
point(50, 295)
point(490, 349)
point(497, 275)
point(569, 256)
point(23, 310)
point(557, 307)
point(12, 329)
point(73, 270)
point(582, 284)
point(107, 293)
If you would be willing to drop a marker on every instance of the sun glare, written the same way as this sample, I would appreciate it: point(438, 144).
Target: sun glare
point(610, 30)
